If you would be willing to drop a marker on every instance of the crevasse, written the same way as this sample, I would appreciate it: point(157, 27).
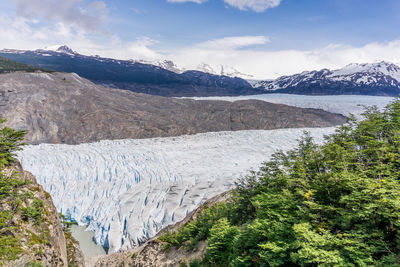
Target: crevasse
point(127, 190)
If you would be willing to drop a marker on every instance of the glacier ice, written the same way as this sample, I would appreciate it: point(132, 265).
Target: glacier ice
point(342, 104)
point(127, 190)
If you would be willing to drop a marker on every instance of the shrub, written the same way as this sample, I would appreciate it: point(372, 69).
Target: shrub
point(34, 211)
point(10, 249)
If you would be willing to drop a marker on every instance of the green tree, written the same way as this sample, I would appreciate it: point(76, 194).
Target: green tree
point(10, 142)
point(219, 244)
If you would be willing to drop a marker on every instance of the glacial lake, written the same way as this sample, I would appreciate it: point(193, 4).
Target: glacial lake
point(85, 239)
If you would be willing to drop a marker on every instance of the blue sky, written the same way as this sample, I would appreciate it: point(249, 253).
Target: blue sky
point(301, 24)
point(263, 38)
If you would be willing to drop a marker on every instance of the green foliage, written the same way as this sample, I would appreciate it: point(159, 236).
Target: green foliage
point(9, 248)
point(7, 66)
point(195, 263)
point(9, 185)
point(65, 222)
point(196, 230)
point(337, 204)
point(10, 142)
point(219, 245)
point(182, 263)
point(34, 211)
point(34, 264)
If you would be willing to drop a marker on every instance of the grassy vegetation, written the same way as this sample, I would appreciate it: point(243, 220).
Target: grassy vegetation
point(337, 204)
point(7, 66)
point(22, 215)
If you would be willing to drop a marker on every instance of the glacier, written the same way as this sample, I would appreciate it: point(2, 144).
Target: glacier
point(341, 104)
point(127, 190)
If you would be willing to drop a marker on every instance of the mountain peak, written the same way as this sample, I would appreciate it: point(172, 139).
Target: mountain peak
point(65, 49)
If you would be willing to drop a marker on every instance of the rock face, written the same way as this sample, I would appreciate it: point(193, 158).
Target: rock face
point(381, 79)
point(151, 253)
point(42, 241)
point(65, 108)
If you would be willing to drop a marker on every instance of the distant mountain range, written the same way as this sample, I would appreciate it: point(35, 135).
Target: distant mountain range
point(380, 78)
point(165, 78)
point(133, 75)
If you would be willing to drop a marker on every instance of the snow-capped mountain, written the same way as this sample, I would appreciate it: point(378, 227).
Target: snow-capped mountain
point(60, 49)
point(223, 70)
point(381, 78)
point(157, 78)
point(220, 70)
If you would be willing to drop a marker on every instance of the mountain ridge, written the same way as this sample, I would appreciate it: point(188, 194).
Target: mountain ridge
point(380, 78)
point(164, 79)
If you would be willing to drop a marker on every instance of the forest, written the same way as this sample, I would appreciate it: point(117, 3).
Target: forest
point(336, 204)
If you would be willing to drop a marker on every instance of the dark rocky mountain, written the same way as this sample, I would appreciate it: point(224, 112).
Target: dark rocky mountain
point(381, 79)
point(132, 75)
point(65, 108)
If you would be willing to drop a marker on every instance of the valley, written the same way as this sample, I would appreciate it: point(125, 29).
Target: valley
point(125, 165)
point(199, 133)
point(151, 183)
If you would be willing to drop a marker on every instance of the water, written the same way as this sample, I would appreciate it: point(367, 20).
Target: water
point(85, 239)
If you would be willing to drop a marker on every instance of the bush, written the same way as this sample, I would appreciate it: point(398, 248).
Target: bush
point(34, 211)
point(219, 244)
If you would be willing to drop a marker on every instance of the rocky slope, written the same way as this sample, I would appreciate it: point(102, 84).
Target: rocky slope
point(152, 253)
point(382, 79)
point(29, 216)
point(133, 75)
point(65, 108)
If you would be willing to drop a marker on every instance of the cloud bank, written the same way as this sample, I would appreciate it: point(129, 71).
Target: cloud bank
point(88, 17)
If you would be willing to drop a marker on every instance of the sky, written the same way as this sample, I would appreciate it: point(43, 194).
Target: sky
point(262, 38)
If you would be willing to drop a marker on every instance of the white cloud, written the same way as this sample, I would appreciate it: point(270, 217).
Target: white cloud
point(234, 42)
point(184, 1)
point(88, 17)
point(256, 5)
